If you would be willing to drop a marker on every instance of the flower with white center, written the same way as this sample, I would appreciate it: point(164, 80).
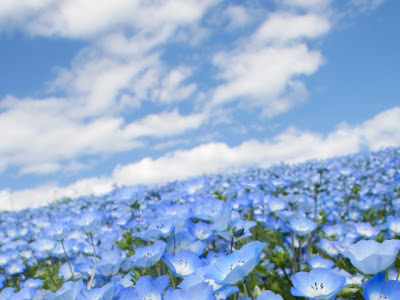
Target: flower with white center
point(319, 284)
point(377, 288)
point(371, 257)
point(183, 263)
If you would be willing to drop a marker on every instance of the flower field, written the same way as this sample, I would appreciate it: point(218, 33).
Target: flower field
point(316, 230)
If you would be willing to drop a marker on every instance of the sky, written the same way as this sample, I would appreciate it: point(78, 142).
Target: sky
point(101, 94)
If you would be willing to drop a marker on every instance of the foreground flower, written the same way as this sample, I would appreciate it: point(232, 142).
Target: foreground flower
point(147, 288)
point(320, 283)
point(371, 257)
point(201, 291)
point(183, 263)
point(148, 256)
point(377, 288)
point(236, 266)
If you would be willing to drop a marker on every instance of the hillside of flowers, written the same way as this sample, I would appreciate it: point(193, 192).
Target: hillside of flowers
point(316, 230)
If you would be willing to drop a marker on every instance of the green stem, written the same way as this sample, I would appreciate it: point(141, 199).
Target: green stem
point(55, 284)
point(95, 263)
point(309, 245)
point(69, 264)
point(172, 277)
point(294, 255)
point(250, 293)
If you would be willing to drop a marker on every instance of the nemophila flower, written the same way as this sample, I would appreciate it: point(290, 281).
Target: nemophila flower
point(106, 292)
point(157, 229)
point(225, 292)
point(201, 230)
point(15, 267)
point(148, 289)
point(366, 230)
point(350, 279)
point(317, 261)
point(329, 247)
point(43, 247)
point(371, 257)
point(8, 256)
point(110, 262)
point(32, 282)
point(89, 221)
point(239, 229)
point(198, 277)
point(69, 291)
point(319, 284)
point(276, 204)
point(393, 224)
point(234, 267)
point(183, 263)
point(302, 226)
point(149, 255)
point(269, 295)
point(201, 291)
point(183, 240)
point(131, 195)
point(58, 231)
point(334, 231)
point(24, 294)
point(377, 288)
point(7, 293)
point(65, 272)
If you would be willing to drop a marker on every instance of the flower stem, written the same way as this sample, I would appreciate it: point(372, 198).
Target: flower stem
point(69, 264)
point(95, 263)
point(247, 286)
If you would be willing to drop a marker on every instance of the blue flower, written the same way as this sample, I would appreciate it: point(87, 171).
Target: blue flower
point(89, 221)
point(302, 226)
point(225, 292)
point(320, 283)
point(234, 267)
point(157, 229)
point(393, 224)
point(148, 256)
point(377, 288)
point(183, 263)
point(269, 295)
point(147, 288)
point(201, 291)
point(69, 290)
point(317, 261)
point(110, 262)
point(371, 257)
point(183, 240)
point(106, 292)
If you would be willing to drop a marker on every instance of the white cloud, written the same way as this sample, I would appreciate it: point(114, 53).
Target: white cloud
point(263, 75)
point(163, 124)
point(290, 146)
point(85, 19)
point(41, 137)
point(238, 16)
point(172, 88)
point(263, 71)
point(283, 27)
point(45, 194)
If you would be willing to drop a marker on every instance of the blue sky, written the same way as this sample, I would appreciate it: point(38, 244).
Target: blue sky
point(95, 95)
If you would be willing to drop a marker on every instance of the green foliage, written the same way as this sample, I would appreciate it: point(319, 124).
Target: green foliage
point(49, 274)
point(218, 194)
point(129, 243)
